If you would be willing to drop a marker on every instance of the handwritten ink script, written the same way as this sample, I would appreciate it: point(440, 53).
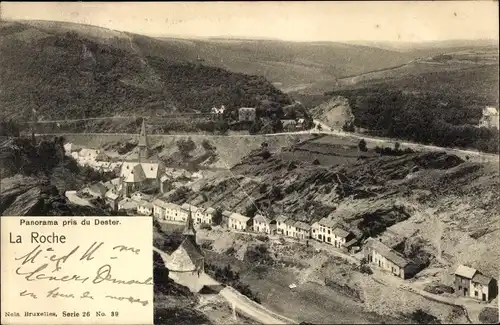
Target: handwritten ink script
point(77, 271)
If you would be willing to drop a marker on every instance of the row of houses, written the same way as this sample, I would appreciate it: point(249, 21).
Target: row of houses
point(167, 211)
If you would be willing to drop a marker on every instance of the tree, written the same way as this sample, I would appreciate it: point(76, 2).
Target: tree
point(397, 145)
point(185, 146)
point(217, 217)
point(206, 145)
point(362, 145)
point(319, 127)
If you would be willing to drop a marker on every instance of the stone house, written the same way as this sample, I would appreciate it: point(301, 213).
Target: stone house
point(469, 282)
point(239, 222)
point(264, 224)
point(389, 260)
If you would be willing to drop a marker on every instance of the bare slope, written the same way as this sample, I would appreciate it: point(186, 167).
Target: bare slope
point(367, 195)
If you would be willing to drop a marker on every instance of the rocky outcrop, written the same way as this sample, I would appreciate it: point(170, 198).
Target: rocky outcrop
point(336, 113)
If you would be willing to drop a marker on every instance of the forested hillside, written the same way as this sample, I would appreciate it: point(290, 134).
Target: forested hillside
point(65, 74)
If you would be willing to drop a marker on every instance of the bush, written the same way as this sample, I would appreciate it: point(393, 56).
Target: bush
point(422, 317)
point(489, 315)
point(365, 269)
point(263, 238)
point(362, 145)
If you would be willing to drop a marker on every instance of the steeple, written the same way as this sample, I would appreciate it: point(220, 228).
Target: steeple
point(189, 231)
point(143, 142)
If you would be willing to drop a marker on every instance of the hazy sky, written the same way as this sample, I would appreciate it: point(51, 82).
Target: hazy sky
point(295, 21)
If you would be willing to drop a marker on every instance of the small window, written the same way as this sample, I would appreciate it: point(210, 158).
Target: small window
point(328, 231)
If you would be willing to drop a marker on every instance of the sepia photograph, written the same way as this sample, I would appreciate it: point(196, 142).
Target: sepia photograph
point(309, 162)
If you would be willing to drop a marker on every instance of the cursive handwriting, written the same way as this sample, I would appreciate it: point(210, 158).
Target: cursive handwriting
point(88, 254)
point(131, 299)
point(104, 274)
point(55, 293)
point(26, 293)
point(32, 255)
point(38, 275)
point(125, 248)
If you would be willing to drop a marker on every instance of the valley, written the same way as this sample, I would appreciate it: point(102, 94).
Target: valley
point(304, 182)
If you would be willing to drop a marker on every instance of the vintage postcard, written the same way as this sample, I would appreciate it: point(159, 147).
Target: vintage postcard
point(249, 162)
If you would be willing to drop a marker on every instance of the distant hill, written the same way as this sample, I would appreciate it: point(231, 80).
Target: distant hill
point(69, 70)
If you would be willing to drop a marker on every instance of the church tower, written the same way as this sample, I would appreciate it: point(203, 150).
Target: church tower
point(189, 232)
point(143, 143)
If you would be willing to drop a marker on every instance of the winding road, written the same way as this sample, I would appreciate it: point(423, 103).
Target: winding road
point(235, 299)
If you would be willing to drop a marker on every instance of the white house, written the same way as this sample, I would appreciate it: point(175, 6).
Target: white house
point(239, 222)
point(159, 207)
point(280, 224)
point(325, 229)
point(490, 118)
point(263, 224)
point(144, 207)
point(340, 237)
point(290, 228)
point(174, 212)
point(302, 230)
point(208, 215)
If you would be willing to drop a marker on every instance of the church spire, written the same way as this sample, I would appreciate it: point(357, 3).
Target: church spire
point(189, 229)
point(143, 142)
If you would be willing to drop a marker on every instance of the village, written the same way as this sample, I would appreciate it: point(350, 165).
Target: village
point(126, 195)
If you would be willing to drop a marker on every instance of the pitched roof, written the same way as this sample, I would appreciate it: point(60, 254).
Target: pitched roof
point(488, 111)
point(481, 279)
point(159, 203)
point(465, 271)
point(281, 218)
point(239, 217)
point(151, 170)
point(340, 232)
point(145, 204)
point(302, 225)
point(127, 204)
point(98, 188)
point(187, 257)
point(290, 222)
point(329, 223)
point(210, 210)
point(132, 173)
point(226, 213)
point(386, 252)
point(141, 196)
point(111, 195)
point(261, 218)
